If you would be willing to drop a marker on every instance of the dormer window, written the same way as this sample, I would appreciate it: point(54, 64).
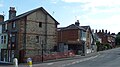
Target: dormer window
point(13, 25)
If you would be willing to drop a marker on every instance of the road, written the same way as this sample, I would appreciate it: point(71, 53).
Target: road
point(109, 58)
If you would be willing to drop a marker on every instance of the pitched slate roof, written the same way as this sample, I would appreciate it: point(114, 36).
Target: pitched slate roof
point(72, 26)
point(31, 11)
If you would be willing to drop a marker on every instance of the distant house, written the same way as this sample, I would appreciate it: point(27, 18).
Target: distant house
point(103, 35)
point(76, 38)
point(106, 37)
point(111, 40)
point(28, 34)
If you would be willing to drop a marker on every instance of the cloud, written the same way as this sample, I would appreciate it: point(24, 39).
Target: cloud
point(100, 14)
point(54, 1)
point(110, 23)
point(95, 2)
point(114, 19)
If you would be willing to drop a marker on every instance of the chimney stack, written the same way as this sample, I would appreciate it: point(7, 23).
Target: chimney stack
point(106, 31)
point(102, 30)
point(99, 31)
point(12, 13)
point(77, 23)
point(109, 32)
point(1, 18)
point(96, 31)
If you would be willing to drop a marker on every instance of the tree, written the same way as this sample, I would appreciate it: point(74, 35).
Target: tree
point(117, 39)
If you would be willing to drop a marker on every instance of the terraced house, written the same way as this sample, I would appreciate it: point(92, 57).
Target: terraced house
point(3, 37)
point(106, 37)
point(28, 34)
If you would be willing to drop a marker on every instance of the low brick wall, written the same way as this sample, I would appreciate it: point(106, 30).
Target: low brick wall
point(57, 55)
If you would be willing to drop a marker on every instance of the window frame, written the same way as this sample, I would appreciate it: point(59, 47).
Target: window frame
point(40, 24)
point(13, 24)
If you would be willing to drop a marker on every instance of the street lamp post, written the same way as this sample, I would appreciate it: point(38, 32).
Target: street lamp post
point(42, 50)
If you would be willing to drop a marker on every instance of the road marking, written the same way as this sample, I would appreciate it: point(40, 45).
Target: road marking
point(50, 63)
point(75, 62)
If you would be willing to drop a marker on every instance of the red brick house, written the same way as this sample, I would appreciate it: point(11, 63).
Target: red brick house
point(76, 37)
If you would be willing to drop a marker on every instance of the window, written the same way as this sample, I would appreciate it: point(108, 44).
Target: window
point(40, 24)
point(83, 35)
point(5, 39)
point(2, 40)
point(5, 26)
point(13, 25)
point(13, 38)
point(37, 39)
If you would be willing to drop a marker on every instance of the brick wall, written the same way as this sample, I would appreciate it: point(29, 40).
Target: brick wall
point(68, 35)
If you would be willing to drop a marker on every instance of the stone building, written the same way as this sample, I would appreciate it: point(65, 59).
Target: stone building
point(29, 34)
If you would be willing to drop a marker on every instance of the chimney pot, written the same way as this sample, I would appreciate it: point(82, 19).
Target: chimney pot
point(12, 8)
point(109, 32)
point(102, 30)
point(99, 31)
point(106, 31)
point(95, 31)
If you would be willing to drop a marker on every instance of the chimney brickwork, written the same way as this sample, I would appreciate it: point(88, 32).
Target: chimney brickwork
point(77, 23)
point(1, 18)
point(12, 13)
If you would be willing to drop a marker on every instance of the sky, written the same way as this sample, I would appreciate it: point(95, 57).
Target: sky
point(98, 14)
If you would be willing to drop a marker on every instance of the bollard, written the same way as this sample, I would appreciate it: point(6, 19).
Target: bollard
point(15, 61)
point(29, 61)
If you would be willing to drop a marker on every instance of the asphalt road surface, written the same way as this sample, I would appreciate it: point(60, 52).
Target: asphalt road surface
point(109, 58)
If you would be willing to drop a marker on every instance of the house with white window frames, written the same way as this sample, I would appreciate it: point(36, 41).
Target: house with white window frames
point(3, 37)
